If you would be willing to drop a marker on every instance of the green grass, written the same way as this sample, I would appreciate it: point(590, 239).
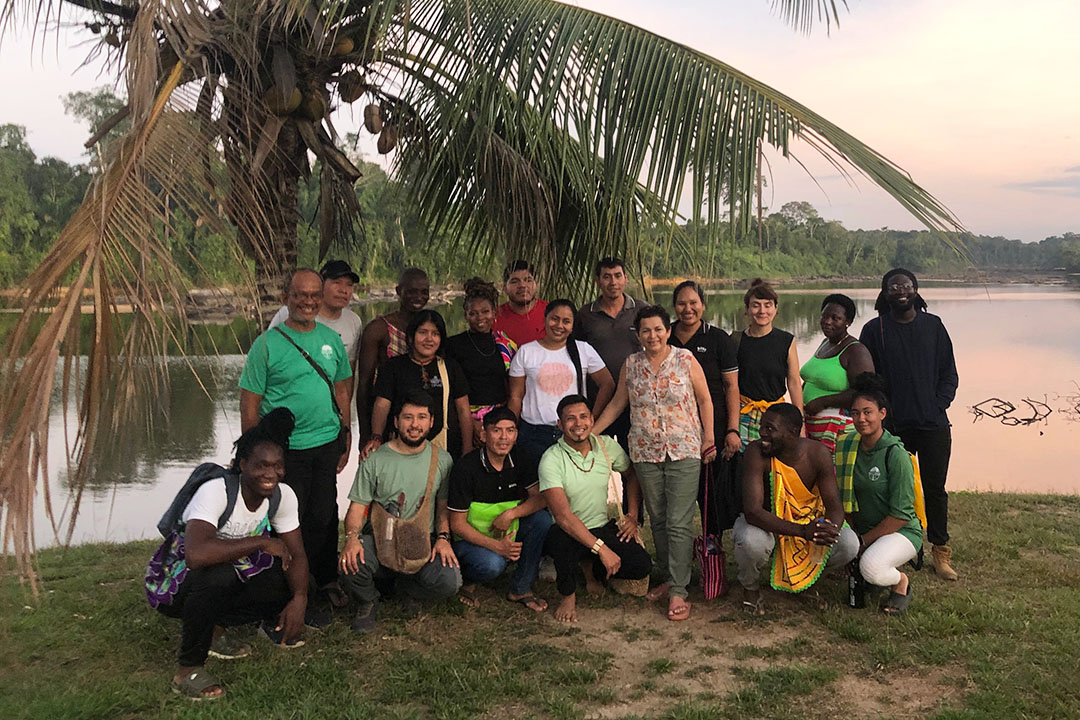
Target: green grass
point(1003, 642)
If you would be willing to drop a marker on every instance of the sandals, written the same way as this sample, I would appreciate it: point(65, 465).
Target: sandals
point(530, 601)
point(196, 683)
point(753, 602)
point(897, 604)
point(679, 613)
point(468, 598)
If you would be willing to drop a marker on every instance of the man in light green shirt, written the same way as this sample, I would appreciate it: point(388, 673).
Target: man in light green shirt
point(395, 476)
point(574, 476)
point(276, 374)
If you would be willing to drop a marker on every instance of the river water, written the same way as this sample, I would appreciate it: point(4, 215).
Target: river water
point(1012, 342)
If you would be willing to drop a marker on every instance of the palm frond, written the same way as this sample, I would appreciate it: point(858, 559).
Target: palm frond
point(804, 14)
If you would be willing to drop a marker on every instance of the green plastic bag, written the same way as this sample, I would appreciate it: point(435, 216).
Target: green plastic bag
point(481, 514)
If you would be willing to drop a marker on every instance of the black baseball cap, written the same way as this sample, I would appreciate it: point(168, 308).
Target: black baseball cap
point(336, 269)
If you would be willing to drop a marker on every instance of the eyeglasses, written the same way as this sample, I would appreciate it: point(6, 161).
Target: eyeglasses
point(900, 286)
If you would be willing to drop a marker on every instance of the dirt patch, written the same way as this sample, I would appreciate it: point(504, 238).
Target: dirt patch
point(895, 694)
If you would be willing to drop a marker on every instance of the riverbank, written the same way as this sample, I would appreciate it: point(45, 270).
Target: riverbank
point(1002, 642)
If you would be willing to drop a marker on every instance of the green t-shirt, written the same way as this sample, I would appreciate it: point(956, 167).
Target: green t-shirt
point(884, 484)
point(387, 473)
point(584, 479)
point(277, 371)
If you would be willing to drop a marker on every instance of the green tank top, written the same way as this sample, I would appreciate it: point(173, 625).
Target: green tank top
point(824, 376)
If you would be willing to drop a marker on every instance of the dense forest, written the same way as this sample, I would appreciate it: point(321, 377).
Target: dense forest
point(37, 195)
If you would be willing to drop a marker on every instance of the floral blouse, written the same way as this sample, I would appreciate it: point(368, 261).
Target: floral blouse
point(664, 420)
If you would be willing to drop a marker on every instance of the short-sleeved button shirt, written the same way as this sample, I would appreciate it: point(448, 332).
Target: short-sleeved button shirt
point(277, 371)
point(664, 420)
point(584, 479)
point(474, 480)
point(715, 352)
point(613, 338)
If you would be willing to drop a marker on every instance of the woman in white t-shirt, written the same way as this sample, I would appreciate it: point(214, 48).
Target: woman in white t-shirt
point(546, 370)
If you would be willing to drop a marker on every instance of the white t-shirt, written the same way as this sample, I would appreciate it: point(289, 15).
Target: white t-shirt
point(209, 502)
point(348, 326)
point(549, 377)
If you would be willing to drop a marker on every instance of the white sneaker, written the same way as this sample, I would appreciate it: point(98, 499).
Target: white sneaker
point(547, 569)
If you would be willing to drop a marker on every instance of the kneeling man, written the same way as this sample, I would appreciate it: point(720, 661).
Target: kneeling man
point(396, 476)
point(789, 492)
point(497, 513)
point(574, 475)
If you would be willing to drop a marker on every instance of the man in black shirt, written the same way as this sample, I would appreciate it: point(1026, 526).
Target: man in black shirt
point(497, 514)
point(912, 351)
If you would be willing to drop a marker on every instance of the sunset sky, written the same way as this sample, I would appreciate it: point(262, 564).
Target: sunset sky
point(978, 100)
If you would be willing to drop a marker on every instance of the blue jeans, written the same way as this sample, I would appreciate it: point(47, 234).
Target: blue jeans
point(536, 439)
point(478, 564)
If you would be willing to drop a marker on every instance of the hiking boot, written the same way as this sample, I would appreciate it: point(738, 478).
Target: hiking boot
point(364, 622)
point(941, 556)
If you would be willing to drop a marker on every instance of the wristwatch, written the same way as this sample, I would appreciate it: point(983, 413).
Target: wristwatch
point(596, 546)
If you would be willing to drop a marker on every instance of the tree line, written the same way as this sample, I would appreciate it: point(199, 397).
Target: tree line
point(38, 195)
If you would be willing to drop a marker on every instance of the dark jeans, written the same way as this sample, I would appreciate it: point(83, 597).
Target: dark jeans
point(312, 474)
point(215, 595)
point(536, 439)
point(933, 447)
point(568, 554)
point(478, 564)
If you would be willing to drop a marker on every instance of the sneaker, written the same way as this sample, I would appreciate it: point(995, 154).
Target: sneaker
point(277, 636)
point(230, 645)
point(364, 622)
point(316, 619)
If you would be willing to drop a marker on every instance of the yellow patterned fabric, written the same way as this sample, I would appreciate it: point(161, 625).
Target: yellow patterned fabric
point(797, 563)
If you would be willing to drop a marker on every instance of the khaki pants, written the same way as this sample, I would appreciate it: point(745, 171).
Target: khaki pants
point(671, 489)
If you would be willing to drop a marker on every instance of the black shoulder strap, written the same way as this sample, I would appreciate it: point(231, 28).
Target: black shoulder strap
point(311, 361)
point(232, 491)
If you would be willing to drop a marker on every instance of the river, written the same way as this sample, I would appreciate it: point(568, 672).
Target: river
point(1012, 342)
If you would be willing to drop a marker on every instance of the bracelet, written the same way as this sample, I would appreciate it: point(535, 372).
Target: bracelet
point(706, 451)
point(596, 546)
point(352, 534)
point(731, 430)
point(443, 536)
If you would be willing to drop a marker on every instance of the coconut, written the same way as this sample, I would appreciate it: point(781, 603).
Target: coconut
point(313, 107)
point(279, 104)
point(343, 46)
point(387, 140)
point(373, 118)
point(351, 86)
point(112, 39)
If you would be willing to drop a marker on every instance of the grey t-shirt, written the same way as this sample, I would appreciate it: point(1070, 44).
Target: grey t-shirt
point(613, 338)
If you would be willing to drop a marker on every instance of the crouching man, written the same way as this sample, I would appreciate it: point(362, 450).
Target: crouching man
point(574, 479)
point(232, 555)
point(497, 513)
point(791, 502)
point(407, 478)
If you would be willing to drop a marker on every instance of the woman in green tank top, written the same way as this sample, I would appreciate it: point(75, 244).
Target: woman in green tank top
point(828, 373)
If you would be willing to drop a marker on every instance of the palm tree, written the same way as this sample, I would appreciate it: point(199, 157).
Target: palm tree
point(515, 124)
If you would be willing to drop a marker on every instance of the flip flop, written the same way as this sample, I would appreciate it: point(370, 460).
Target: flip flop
point(897, 604)
point(679, 612)
point(755, 606)
point(196, 683)
point(525, 600)
point(468, 598)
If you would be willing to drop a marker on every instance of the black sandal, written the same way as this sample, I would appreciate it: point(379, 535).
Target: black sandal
point(897, 604)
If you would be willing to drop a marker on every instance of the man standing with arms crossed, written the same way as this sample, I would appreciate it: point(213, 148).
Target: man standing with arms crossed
point(280, 371)
point(913, 352)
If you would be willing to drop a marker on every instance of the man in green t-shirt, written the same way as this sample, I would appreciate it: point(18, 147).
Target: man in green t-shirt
point(574, 476)
point(395, 476)
point(277, 374)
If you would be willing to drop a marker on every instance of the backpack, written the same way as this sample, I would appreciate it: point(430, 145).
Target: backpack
point(167, 567)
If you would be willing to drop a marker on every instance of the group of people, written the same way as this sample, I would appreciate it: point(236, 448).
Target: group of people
point(509, 443)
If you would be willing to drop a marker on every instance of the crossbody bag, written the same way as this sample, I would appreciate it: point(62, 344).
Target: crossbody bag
point(342, 441)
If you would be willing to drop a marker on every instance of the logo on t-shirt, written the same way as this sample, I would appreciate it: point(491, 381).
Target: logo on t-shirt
point(700, 349)
point(874, 474)
point(554, 378)
point(328, 351)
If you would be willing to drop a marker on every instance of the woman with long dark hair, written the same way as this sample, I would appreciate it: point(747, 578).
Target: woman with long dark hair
point(424, 368)
point(546, 370)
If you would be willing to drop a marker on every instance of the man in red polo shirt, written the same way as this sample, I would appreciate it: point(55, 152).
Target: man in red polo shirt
point(522, 318)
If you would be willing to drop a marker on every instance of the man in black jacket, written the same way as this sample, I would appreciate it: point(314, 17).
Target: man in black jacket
point(912, 351)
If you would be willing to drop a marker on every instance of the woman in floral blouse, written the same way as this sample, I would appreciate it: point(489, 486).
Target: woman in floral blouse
point(671, 433)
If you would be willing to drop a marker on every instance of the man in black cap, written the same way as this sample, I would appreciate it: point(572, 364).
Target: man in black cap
point(339, 281)
point(912, 351)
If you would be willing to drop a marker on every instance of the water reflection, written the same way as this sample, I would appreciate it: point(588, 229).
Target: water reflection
point(1006, 346)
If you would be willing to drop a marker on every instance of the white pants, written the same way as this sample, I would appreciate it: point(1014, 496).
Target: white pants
point(753, 546)
point(880, 561)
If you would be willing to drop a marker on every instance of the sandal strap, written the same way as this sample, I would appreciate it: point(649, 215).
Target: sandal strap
point(195, 682)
